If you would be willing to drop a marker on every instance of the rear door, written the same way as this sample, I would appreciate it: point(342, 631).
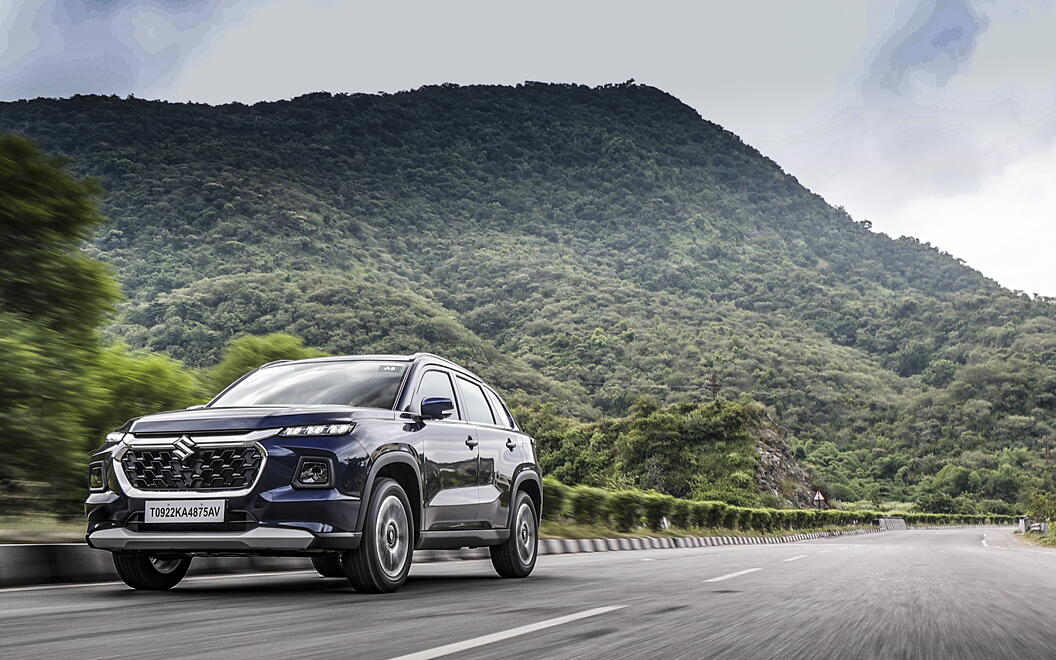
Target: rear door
point(451, 460)
point(510, 445)
point(493, 475)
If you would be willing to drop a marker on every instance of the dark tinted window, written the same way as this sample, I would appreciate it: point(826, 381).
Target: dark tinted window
point(437, 383)
point(364, 383)
point(501, 412)
point(477, 408)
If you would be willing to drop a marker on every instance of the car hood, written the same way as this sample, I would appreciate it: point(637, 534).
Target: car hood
point(251, 418)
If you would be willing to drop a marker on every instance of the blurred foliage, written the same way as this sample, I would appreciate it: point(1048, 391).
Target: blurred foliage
point(630, 510)
point(579, 247)
point(705, 451)
point(247, 353)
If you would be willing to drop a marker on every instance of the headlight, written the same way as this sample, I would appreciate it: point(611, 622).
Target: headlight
point(318, 429)
point(314, 472)
point(97, 477)
point(115, 437)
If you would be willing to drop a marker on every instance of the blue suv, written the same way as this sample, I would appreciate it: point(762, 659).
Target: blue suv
point(352, 461)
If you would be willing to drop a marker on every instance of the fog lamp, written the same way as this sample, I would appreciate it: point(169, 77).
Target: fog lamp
point(96, 477)
point(313, 472)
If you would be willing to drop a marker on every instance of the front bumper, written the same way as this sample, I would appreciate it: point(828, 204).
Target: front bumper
point(257, 540)
point(268, 517)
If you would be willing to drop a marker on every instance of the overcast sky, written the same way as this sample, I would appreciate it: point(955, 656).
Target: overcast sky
point(934, 119)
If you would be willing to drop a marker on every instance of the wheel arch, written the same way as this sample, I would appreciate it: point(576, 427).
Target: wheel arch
point(402, 467)
point(527, 480)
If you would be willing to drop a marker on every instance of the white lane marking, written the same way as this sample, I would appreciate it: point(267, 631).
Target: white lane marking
point(196, 578)
point(648, 559)
point(457, 647)
point(733, 575)
point(794, 558)
point(824, 551)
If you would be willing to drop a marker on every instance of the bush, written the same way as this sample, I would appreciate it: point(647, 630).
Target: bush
point(717, 515)
point(730, 517)
point(625, 509)
point(681, 513)
point(555, 498)
point(782, 518)
point(657, 507)
point(589, 505)
point(761, 520)
point(700, 513)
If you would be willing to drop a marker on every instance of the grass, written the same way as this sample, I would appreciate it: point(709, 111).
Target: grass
point(1038, 539)
point(40, 528)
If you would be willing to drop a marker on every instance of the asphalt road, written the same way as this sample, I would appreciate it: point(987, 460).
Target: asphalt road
point(926, 594)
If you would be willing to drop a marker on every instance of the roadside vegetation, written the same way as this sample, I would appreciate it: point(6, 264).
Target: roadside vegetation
point(587, 512)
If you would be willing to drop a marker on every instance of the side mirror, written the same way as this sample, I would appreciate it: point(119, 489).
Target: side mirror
point(436, 407)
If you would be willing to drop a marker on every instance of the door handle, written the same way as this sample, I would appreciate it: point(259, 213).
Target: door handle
point(470, 442)
point(510, 444)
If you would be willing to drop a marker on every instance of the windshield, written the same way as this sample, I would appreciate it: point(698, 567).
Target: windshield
point(361, 383)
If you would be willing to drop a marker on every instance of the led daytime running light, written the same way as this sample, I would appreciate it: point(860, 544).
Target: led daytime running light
point(318, 429)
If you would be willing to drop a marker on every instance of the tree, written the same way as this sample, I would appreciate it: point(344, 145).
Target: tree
point(46, 216)
point(53, 297)
point(126, 384)
point(247, 353)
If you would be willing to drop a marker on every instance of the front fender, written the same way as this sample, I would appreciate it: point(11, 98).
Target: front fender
point(402, 456)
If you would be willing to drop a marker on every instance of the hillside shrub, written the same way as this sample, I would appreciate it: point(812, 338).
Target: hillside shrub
point(657, 507)
point(555, 498)
point(731, 516)
point(626, 508)
point(717, 514)
point(681, 513)
point(589, 505)
point(700, 513)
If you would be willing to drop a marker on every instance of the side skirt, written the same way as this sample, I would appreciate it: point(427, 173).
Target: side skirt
point(468, 538)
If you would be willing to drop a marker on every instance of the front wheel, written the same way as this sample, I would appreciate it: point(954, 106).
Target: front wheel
point(383, 559)
point(516, 557)
point(151, 572)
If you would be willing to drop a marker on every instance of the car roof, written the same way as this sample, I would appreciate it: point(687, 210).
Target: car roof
point(414, 357)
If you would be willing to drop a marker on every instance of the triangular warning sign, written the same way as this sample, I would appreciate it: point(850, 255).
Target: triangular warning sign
point(818, 497)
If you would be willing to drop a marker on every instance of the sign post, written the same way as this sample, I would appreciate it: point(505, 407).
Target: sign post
point(819, 500)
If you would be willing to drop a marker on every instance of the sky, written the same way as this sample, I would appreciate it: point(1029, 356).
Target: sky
point(934, 119)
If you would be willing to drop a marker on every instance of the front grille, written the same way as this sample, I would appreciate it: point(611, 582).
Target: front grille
point(208, 468)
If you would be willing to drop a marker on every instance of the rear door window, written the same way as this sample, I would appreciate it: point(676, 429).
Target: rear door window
point(477, 408)
point(501, 411)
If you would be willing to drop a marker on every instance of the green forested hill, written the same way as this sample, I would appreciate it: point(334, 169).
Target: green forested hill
point(579, 246)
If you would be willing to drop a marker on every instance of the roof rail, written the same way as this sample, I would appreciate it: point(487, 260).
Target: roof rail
point(273, 362)
point(434, 356)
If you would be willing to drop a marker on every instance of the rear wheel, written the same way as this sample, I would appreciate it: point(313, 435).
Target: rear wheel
point(383, 559)
point(329, 565)
point(151, 572)
point(516, 557)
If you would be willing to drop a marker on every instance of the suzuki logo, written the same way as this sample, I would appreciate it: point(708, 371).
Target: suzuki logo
point(183, 447)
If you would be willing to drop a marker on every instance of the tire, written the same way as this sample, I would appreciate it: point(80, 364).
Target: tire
point(383, 559)
point(329, 565)
point(516, 557)
point(151, 572)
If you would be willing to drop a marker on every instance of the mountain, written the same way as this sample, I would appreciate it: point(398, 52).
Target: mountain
point(578, 246)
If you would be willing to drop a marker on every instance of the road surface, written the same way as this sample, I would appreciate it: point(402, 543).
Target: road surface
point(964, 593)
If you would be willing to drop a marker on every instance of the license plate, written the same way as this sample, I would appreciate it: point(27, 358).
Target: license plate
point(184, 511)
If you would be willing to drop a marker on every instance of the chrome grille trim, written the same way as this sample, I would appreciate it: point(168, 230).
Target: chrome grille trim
point(171, 443)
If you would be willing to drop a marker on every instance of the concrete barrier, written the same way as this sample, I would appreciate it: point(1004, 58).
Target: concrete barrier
point(49, 563)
